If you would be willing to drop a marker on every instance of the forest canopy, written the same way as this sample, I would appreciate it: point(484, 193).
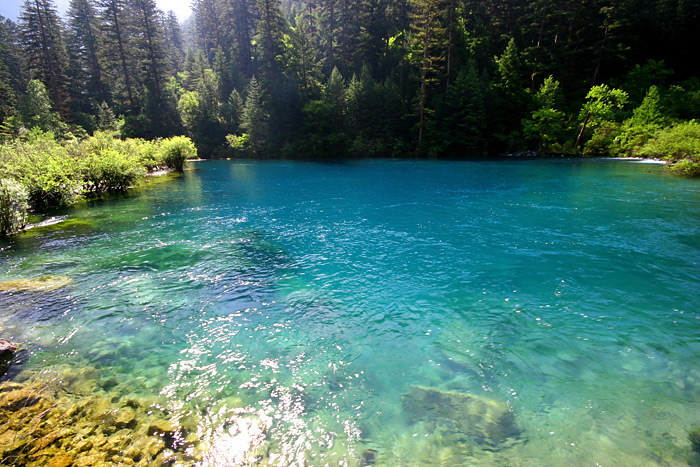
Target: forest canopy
point(362, 78)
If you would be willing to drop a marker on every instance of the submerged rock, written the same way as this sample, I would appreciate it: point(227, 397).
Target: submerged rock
point(37, 284)
point(14, 397)
point(694, 437)
point(487, 422)
point(48, 420)
point(8, 349)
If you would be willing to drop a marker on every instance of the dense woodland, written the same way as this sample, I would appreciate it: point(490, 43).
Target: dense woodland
point(362, 78)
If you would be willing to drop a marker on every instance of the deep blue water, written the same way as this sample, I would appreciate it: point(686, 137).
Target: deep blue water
point(308, 299)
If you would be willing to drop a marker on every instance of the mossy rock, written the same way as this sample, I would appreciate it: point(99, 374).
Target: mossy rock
point(694, 437)
point(37, 284)
point(482, 420)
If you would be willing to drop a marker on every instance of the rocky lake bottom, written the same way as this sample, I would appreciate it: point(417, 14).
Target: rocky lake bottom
point(380, 313)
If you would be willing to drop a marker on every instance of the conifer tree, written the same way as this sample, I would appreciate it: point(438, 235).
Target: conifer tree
point(12, 74)
point(301, 59)
point(174, 42)
point(149, 41)
point(271, 29)
point(239, 23)
point(45, 49)
point(254, 120)
point(118, 50)
point(428, 44)
point(83, 44)
point(207, 17)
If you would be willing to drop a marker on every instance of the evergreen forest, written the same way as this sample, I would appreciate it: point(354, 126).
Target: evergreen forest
point(362, 78)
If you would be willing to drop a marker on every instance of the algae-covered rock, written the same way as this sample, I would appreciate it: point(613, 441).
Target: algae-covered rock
point(61, 460)
point(37, 284)
point(480, 419)
point(15, 397)
point(694, 437)
point(126, 418)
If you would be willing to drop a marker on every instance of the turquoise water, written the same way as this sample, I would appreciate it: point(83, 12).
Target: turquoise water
point(290, 308)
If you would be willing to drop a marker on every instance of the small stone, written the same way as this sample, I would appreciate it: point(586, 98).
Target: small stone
point(83, 446)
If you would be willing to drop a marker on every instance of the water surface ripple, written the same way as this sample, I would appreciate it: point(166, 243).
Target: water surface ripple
point(300, 309)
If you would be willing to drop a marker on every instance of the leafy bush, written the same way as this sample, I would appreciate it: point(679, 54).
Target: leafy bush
point(45, 168)
point(13, 206)
point(678, 142)
point(37, 171)
point(685, 167)
point(679, 145)
point(109, 170)
point(176, 151)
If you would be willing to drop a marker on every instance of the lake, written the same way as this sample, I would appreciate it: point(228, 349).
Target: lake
point(388, 313)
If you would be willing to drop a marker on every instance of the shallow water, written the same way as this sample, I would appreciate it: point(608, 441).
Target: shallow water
point(310, 298)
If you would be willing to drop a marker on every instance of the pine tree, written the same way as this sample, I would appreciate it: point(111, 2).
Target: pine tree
point(271, 29)
point(118, 50)
point(149, 41)
point(301, 59)
point(207, 17)
point(174, 42)
point(12, 75)
point(83, 44)
point(429, 45)
point(44, 48)
point(239, 24)
point(254, 120)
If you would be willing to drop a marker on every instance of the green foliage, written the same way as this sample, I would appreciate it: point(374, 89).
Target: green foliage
point(54, 174)
point(176, 151)
point(255, 119)
point(601, 113)
point(108, 170)
point(458, 126)
point(685, 167)
point(548, 126)
point(44, 168)
point(602, 103)
point(35, 109)
point(674, 144)
point(645, 121)
point(14, 206)
point(239, 142)
point(642, 77)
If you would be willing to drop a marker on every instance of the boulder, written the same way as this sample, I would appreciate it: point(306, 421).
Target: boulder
point(487, 422)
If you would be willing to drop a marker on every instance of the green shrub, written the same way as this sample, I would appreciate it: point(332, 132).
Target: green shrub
point(45, 168)
point(176, 151)
point(148, 153)
point(109, 170)
point(14, 206)
point(685, 167)
point(678, 142)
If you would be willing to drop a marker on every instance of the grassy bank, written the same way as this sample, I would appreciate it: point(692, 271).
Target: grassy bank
point(37, 172)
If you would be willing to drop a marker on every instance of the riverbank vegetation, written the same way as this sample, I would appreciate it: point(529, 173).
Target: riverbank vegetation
point(40, 172)
point(363, 78)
